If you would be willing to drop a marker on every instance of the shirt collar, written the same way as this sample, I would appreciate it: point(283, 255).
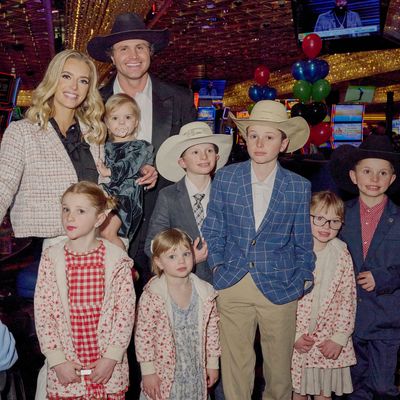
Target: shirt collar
point(376, 208)
point(192, 189)
point(147, 91)
point(268, 181)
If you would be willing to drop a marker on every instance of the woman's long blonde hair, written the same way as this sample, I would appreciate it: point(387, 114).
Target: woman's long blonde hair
point(89, 113)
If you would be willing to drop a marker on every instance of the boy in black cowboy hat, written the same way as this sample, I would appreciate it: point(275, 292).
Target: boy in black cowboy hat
point(372, 233)
point(164, 107)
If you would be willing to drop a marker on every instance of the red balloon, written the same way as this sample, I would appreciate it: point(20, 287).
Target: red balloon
point(312, 45)
point(261, 75)
point(320, 133)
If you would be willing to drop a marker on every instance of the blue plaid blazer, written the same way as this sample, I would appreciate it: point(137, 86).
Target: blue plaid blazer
point(279, 255)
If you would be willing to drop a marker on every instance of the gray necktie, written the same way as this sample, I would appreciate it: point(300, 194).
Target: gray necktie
point(198, 209)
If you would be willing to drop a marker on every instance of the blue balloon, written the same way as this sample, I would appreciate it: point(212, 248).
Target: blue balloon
point(323, 68)
point(268, 93)
point(298, 70)
point(255, 93)
point(311, 70)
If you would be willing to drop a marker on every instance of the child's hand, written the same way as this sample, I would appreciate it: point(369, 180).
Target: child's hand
point(102, 169)
point(330, 349)
point(304, 343)
point(212, 376)
point(152, 386)
point(66, 372)
point(102, 370)
point(200, 255)
point(149, 177)
point(366, 280)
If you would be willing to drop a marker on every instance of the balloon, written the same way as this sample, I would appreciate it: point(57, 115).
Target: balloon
point(255, 93)
point(311, 71)
point(323, 68)
point(250, 107)
point(299, 110)
point(261, 75)
point(316, 112)
point(320, 89)
point(320, 133)
point(298, 71)
point(302, 90)
point(268, 93)
point(312, 45)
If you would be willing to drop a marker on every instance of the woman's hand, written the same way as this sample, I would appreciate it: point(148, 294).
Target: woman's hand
point(200, 255)
point(152, 386)
point(66, 372)
point(102, 169)
point(149, 177)
point(102, 370)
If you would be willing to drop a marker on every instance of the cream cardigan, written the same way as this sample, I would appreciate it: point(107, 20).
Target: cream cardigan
point(35, 170)
point(53, 324)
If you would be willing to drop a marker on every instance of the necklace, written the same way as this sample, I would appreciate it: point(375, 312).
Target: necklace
point(341, 24)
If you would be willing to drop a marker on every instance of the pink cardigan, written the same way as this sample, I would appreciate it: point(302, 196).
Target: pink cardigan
point(335, 318)
point(154, 340)
point(53, 325)
point(35, 171)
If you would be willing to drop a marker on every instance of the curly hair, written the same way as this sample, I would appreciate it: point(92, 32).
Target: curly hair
point(91, 110)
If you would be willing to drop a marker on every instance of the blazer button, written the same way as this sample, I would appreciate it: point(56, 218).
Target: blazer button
point(253, 242)
point(359, 300)
point(252, 264)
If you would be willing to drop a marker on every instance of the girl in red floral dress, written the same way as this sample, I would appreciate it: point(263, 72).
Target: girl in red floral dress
point(85, 304)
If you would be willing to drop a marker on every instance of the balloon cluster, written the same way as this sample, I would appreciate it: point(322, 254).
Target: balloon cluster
point(261, 91)
point(311, 88)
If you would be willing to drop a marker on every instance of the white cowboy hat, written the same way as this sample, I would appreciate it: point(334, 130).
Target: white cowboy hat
point(273, 114)
point(189, 135)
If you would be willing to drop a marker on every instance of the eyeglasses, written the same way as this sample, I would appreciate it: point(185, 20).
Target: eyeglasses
point(334, 224)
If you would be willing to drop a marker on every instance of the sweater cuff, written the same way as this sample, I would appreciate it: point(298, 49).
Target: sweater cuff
point(147, 368)
point(340, 338)
point(212, 363)
point(55, 357)
point(115, 353)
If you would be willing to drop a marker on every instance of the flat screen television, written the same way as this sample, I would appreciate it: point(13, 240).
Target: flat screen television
point(359, 94)
point(347, 120)
point(6, 88)
point(212, 89)
point(391, 29)
point(359, 18)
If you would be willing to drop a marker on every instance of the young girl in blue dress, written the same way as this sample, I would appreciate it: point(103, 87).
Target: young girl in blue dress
point(124, 158)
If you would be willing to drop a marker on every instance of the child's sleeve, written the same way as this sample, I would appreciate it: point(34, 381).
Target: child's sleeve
point(344, 321)
point(387, 279)
point(145, 333)
point(45, 320)
point(214, 226)
point(124, 310)
point(159, 220)
point(8, 353)
point(305, 259)
point(213, 349)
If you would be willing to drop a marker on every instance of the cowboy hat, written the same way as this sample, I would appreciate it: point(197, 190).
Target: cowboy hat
point(345, 157)
point(273, 114)
point(189, 135)
point(126, 26)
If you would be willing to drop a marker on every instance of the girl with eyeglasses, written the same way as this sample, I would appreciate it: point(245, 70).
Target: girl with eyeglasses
point(323, 350)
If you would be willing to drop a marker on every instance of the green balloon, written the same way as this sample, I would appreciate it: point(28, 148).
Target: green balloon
point(302, 90)
point(250, 107)
point(320, 89)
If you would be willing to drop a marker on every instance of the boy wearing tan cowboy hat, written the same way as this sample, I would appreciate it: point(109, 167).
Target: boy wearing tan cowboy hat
point(189, 159)
point(260, 250)
point(372, 232)
point(164, 107)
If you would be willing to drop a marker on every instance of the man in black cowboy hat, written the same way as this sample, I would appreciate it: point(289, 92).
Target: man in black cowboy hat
point(164, 107)
point(372, 232)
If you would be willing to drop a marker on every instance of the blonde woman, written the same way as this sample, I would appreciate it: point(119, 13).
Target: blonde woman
point(57, 144)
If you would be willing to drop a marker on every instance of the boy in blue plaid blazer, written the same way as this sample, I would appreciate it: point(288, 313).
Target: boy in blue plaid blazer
point(260, 251)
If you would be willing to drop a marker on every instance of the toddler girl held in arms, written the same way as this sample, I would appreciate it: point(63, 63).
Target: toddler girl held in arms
point(85, 304)
point(177, 338)
point(124, 159)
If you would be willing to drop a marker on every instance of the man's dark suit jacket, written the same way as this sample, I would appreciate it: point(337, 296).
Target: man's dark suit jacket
point(172, 107)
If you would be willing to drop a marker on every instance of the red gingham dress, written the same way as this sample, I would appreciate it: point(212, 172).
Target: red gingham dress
point(85, 277)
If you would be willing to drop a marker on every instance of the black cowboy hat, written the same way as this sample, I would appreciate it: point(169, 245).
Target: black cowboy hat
point(126, 26)
point(345, 157)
